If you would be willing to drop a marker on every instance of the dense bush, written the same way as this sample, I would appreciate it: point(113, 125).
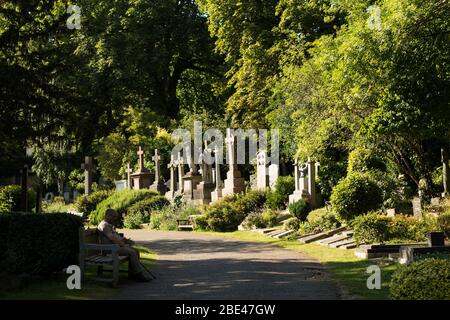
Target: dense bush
point(291, 224)
point(300, 209)
point(270, 217)
point(254, 220)
point(120, 201)
point(10, 199)
point(223, 217)
point(355, 195)
point(251, 201)
point(323, 220)
point(427, 279)
point(279, 197)
point(230, 212)
point(88, 203)
point(444, 223)
point(38, 243)
point(363, 159)
point(201, 223)
point(166, 217)
point(139, 213)
point(372, 228)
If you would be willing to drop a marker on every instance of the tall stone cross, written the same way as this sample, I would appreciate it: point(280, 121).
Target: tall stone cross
point(156, 158)
point(261, 170)
point(445, 172)
point(129, 172)
point(141, 159)
point(217, 167)
point(206, 165)
point(172, 167)
point(180, 164)
point(230, 141)
point(87, 166)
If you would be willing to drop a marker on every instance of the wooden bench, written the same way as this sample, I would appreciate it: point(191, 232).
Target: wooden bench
point(186, 224)
point(93, 253)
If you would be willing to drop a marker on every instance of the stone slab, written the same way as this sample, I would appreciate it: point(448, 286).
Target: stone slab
point(284, 234)
point(322, 235)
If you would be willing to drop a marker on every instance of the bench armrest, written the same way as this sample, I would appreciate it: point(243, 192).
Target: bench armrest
point(103, 247)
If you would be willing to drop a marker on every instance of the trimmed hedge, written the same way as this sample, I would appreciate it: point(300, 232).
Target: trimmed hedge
point(120, 201)
point(355, 195)
point(88, 203)
point(38, 243)
point(139, 213)
point(427, 279)
point(227, 214)
point(10, 198)
point(372, 228)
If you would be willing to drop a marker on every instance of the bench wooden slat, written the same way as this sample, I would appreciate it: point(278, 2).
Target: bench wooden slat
point(89, 243)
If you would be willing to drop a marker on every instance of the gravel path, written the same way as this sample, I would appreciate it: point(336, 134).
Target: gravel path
point(200, 266)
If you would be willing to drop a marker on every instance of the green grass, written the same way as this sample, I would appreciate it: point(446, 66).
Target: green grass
point(54, 288)
point(344, 267)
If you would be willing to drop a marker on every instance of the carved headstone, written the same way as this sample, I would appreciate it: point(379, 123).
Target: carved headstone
point(262, 179)
point(312, 183)
point(274, 172)
point(417, 207)
point(141, 178)
point(234, 183)
point(217, 193)
point(301, 186)
point(172, 183)
point(158, 185)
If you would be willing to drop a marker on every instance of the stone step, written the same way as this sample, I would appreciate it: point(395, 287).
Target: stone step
point(351, 245)
point(333, 239)
point(266, 230)
point(381, 250)
point(274, 233)
point(284, 234)
point(322, 235)
point(342, 242)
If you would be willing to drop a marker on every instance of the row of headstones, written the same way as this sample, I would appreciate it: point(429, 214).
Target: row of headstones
point(205, 185)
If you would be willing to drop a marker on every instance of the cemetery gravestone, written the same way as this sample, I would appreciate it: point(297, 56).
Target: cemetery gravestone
point(417, 207)
point(262, 179)
point(158, 184)
point(234, 183)
point(141, 178)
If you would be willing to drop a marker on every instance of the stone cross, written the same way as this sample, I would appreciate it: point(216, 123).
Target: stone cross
point(87, 166)
point(129, 172)
point(230, 141)
point(302, 181)
point(296, 175)
point(312, 182)
point(217, 168)
point(261, 170)
point(445, 172)
point(206, 167)
point(156, 159)
point(141, 159)
point(180, 164)
point(172, 167)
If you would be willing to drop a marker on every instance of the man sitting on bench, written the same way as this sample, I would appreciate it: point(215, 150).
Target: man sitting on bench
point(108, 235)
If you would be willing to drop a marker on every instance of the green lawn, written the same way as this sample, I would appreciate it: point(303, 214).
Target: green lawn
point(55, 288)
point(344, 267)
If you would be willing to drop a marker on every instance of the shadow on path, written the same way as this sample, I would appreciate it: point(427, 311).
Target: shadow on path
point(198, 266)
